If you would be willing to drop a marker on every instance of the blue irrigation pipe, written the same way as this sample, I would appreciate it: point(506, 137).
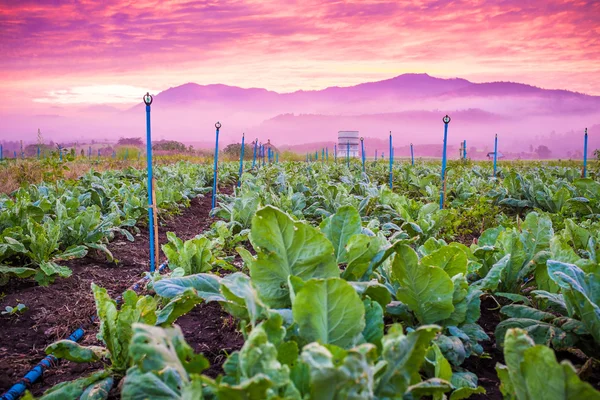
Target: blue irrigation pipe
point(322, 155)
point(412, 155)
point(241, 162)
point(254, 154)
point(1, 152)
point(585, 141)
point(38, 152)
point(446, 120)
point(148, 101)
point(49, 361)
point(263, 154)
point(327, 154)
point(15, 154)
point(375, 154)
point(90, 152)
point(495, 153)
point(214, 190)
point(335, 153)
point(276, 158)
point(391, 160)
point(98, 154)
point(36, 372)
point(465, 149)
point(316, 155)
point(362, 149)
point(348, 153)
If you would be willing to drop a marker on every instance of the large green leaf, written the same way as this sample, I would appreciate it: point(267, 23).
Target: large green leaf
point(76, 388)
point(329, 311)
point(163, 362)
point(205, 286)
point(285, 248)
point(72, 351)
point(339, 228)
point(361, 250)
point(426, 290)
point(581, 292)
point(451, 259)
point(340, 375)
point(532, 372)
point(403, 355)
point(193, 255)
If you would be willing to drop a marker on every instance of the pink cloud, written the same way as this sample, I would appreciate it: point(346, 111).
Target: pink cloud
point(49, 46)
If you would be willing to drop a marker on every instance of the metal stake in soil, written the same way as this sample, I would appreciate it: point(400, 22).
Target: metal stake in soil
point(446, 120)
point(362, 149)
point(585, 140)
point(214, 191)
point(148, 101)
point(391, 160)
point(495, 153)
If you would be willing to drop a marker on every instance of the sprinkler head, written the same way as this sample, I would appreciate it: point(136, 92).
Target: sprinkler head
point(148, 98)
point(446, 119)
point(362, 139)
point(218, 125)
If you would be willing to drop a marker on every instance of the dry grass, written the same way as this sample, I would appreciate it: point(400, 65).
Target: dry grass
point(19, 173)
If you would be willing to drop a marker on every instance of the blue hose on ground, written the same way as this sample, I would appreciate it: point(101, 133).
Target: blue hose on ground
point(50, 361)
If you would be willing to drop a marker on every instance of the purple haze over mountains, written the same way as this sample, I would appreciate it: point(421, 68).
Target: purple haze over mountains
point(409, 105)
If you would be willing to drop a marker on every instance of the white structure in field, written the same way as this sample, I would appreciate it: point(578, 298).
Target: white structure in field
point(346, 138)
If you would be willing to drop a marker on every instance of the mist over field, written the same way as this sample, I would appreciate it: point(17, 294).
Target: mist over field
point(410, 106)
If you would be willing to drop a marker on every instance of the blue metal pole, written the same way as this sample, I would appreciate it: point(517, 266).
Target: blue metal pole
point(254, 154)
point(38, 152)
point(15, 154)
point(1, 152)
point(335, 153)
point(148, 101)
point(241, 162)
point(412, 155)
point(465, 149)
point(263, 154)
point(391, 160)
point(362, 152)
point(585, 141)
point(495, 153)
point(375, 154)
point(348, 154)
point(316, 155)
point(322, 155)
point(327, 154)
point(446, 120)
point(214, 191)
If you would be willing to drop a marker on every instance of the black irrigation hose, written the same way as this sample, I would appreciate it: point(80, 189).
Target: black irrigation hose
point(50, 361)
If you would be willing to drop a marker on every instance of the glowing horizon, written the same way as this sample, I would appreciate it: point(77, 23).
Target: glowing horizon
point(85, 52)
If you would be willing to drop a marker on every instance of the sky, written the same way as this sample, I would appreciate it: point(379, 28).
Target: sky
point(86, 52)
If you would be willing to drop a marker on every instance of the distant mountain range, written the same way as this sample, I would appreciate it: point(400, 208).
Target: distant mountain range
point(411, 106)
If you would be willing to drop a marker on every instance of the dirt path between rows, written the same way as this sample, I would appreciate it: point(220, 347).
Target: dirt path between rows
point(57, 310)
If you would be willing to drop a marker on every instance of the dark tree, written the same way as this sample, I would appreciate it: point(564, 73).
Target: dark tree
point(543, 152)
point(132, 141)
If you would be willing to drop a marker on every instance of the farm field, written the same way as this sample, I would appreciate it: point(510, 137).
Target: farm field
point(311, 280)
